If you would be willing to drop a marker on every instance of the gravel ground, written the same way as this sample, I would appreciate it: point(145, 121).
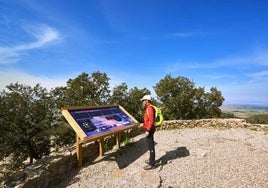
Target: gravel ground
point(198, 157)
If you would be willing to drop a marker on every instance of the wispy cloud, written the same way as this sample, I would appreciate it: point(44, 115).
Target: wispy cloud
point(218, 76)
point(259, 58)
point(262, 75)
point(182, 35)
point(246, 80)
point(189, 34)
point(43, 35)
point(12, 76)
point(181, 65)
point(4, 20)
point(249, 93)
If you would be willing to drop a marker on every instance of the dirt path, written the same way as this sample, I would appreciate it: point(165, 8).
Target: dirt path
point(199, 157)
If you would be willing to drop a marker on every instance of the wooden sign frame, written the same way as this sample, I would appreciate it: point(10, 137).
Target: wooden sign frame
point(92, 123)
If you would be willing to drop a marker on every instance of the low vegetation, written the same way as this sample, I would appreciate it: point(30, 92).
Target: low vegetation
point(258, 119)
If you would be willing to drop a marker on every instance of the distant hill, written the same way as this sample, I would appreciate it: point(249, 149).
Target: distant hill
point(244, 111)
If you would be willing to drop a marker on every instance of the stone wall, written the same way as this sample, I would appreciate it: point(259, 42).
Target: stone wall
point(217, 123)
point(51, 170)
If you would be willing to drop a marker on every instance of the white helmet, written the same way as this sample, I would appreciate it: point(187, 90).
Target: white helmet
point(146, 97)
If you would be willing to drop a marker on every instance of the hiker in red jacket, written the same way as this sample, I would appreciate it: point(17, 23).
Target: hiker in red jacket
point(148, 125)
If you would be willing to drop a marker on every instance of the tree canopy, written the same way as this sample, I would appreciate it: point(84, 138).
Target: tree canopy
point(31, 121)
point(181, 100)
point(25, 122)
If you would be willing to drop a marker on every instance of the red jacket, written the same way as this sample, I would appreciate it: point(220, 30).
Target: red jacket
point(148, 117)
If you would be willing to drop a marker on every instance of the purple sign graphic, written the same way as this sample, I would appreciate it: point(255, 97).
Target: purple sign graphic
point(99, 120)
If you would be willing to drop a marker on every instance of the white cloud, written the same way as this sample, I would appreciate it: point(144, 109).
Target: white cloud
point(190, 34)
point(247, 86)
point(4, 20)
point(262, 75)
point(13, 76)
point(242, 93)
point(43, 35)
point(261, 57)
point(213, 76)
point(183, 35)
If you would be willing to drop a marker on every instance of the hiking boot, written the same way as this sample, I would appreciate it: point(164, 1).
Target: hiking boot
point(148, 167)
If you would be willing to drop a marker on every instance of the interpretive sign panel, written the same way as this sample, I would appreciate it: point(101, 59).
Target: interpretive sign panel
point(93, 122)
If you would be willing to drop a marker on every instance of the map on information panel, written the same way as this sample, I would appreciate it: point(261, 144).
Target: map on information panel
point(99, 120)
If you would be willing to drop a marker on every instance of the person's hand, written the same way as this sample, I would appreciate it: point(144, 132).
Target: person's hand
point(146, 133)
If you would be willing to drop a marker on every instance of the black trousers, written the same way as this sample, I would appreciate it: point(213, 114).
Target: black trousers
point(150, 143)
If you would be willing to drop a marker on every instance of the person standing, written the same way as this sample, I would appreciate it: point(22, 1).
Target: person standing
point(148, 125)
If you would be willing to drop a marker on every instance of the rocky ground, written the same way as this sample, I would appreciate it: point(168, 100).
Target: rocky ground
point(198, 157)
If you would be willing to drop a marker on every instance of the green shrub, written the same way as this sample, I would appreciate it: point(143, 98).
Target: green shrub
point(258, 119)
point(227, 115)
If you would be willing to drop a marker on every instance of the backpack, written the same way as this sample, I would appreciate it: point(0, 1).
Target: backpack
point(159, 118)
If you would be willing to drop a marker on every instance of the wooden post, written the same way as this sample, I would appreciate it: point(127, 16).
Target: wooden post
point(78, 151)
point(101, 147)
point(117, 138)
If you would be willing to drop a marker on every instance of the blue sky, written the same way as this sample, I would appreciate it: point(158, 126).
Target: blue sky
point(214, 43)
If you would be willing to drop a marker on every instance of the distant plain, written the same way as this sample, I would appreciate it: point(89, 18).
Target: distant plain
point(244, 111)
